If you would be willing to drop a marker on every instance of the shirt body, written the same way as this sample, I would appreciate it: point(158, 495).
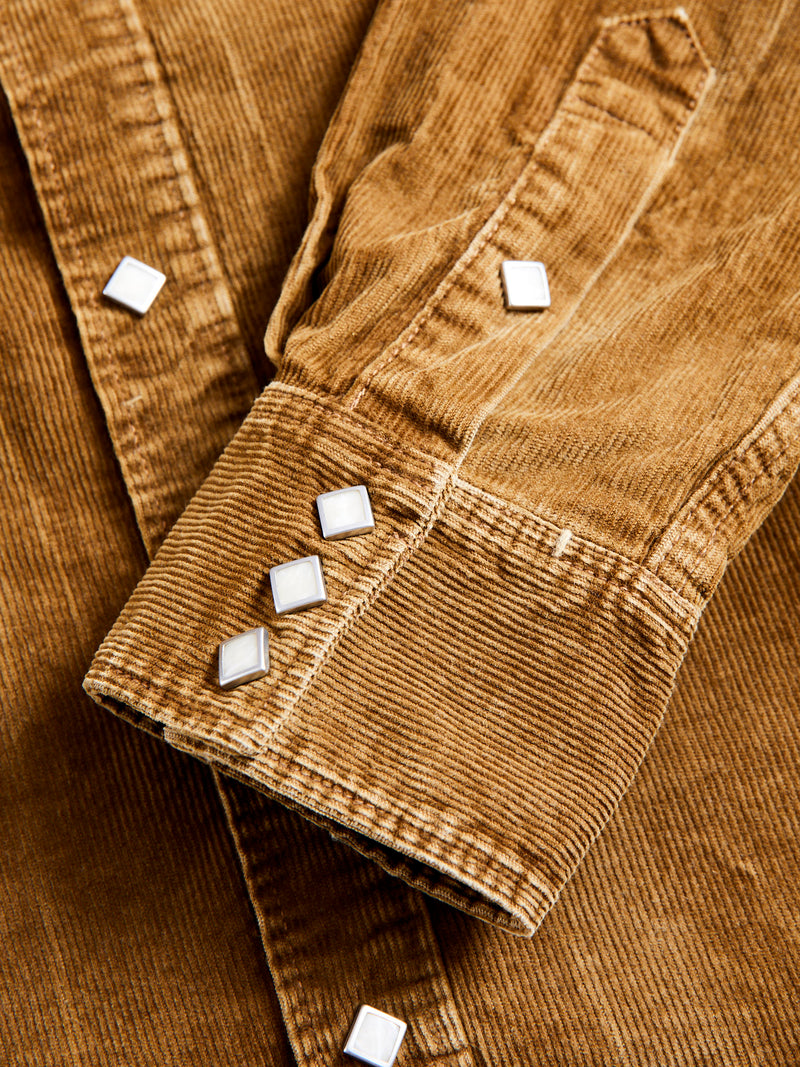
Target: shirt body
point(469, 709)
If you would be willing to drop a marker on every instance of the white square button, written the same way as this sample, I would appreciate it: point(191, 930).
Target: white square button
point(244, 658)
point(298, 584)
point(525, 285)
point(375, 1037)
point(134, 285)
point(345, 512)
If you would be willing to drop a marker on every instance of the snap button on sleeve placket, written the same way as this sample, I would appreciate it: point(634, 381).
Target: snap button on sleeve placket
point(298, 584)
point(345, 513)
point(525, 285)
point(244, 658)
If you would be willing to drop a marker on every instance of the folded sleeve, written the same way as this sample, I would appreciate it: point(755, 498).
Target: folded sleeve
point(556, 494)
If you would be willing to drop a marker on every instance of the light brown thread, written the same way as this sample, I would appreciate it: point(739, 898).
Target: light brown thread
point(299, 1011)
point(740, 499)
point(596, 558)
point(481, 240)
point(167, 123)
point(679, 16)
point(344, 415)
point(155, 523)
point(305, 262)
point(672, 541)
point(75, 247)
point(477, 850)
point(560, 547)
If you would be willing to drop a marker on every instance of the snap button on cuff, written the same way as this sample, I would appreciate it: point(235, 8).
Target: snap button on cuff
point(298, 584)
point(525, 285)
point(375, 1037)
point(134, 285)
point(345, 512)
point(243, 658)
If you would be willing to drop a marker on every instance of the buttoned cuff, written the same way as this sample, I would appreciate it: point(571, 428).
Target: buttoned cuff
point(468, 705)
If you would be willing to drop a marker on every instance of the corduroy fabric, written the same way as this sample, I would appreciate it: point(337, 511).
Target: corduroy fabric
point(127, 934)
point(404, 736)
point(337, 933)
point(447, 108)
point(676, 941)
point(152, 194)
point(491, 794)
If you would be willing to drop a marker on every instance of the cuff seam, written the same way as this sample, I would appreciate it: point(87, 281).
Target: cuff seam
point(334, 408)
point(595, 558)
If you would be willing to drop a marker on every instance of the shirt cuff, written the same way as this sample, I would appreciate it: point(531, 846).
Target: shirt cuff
point(469, 704)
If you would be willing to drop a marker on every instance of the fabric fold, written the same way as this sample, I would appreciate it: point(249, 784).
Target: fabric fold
point(466, 708)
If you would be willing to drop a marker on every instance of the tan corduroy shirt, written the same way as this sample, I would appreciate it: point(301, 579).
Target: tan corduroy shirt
point(516, 781)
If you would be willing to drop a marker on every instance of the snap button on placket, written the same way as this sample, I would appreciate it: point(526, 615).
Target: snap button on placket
point(298, 584)
point(375, 1037)
point(345, 512)
point(134, 285)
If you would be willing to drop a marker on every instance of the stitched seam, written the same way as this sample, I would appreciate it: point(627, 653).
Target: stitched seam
point(520, 515)
point(343, 415)
point(517, 514)
point(289, 1010)
point(771, 472)
point(386, 569)
point(492, 225)
point(451, 1026)
point(307, 259)
point(682, 532)
point(407, 815)
point(723, 471)
point(123, 413)
point(482, 854)
point(626, 585)
point(182, 171)
point(679, 16)
point(620, 584)
point(128, 412)
point(360, 604)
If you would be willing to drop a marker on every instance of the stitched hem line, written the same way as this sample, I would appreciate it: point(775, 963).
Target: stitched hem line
point(314, 802)
point(544, 676)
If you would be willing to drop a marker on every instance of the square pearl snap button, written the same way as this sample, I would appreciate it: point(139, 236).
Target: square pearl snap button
point(375, 1037)
point(243, 658)
point(298, 584)
point(525, 285)
point(345, 512)
point(134, 285)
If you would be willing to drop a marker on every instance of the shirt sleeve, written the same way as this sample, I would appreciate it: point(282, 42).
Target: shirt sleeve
point(555, 493)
